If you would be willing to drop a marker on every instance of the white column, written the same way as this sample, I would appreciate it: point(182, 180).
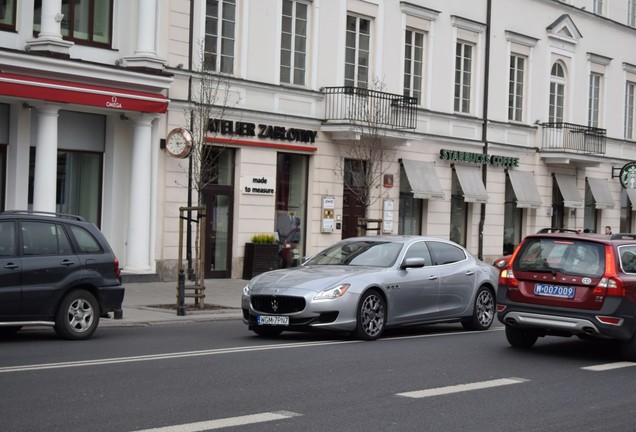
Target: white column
point(146, 31)
point(139, 223)
point(51, 22)
point(50, 36)
point(145, 49)
point(45, 173)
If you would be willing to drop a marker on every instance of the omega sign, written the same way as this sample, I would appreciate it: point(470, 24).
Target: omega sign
point(113, 103)
point(229, 127)
point(257, 185)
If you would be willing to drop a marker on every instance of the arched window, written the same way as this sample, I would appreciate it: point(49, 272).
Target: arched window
point(557, 93)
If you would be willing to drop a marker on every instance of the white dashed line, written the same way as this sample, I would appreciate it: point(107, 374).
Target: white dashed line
point(227, 422)
point(609, 366)
point(462, 388)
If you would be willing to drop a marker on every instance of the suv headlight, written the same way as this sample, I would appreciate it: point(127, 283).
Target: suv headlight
point(333, 293)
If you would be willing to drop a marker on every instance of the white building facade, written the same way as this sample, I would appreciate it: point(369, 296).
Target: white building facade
point(495, 118)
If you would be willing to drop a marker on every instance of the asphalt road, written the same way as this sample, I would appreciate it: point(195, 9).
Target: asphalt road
point(217, 375)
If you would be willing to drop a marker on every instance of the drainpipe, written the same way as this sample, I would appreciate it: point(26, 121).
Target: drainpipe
point(484, 128)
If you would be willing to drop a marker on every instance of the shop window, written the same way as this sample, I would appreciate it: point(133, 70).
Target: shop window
point(410, 212)
point(291, 206)
point(590, 212)
point(3, 174)
point(558, 206)
point(626, 213)
point(7, 15)
point(512, 220)
point(84, 21)
point(459, 212)
point(79, 183)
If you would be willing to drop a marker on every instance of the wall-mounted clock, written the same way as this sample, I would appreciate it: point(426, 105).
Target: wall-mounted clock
point(179, 143)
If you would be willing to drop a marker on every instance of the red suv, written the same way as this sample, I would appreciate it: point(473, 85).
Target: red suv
point(564, 284)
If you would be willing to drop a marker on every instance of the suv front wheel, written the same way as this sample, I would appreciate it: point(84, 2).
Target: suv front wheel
point(78, 315)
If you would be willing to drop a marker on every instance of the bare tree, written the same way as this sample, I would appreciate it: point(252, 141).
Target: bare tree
point(366, 159)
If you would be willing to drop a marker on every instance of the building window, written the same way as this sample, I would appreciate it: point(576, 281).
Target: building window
point(631, 13)
point(626, 213)
point(79, 183)
point(594, 100)
point(357, 52)
point(463, 74)
point(597, 6)
point(557, 93)
point(413, 63)
point(515, 88)
point(512, 220)
point(291, 199)
point(85, 21)
point(589, 213)
point(410, 211)
point(3, 174)
point(7, 15)
point(293, 47)
point(630, 90)
point(220, 24)
point(459, 212)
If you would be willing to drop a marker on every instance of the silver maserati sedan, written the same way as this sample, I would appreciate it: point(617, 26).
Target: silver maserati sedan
point(363, 285)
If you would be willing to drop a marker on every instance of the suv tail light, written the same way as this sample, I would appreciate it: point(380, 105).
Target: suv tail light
point(116, 267)
point(610, 285)
point(507, 278)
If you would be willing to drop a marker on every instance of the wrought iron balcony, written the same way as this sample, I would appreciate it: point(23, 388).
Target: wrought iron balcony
point(369, 108)
point(572, 138)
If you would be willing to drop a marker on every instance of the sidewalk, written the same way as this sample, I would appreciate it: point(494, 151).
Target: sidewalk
point(141, 301)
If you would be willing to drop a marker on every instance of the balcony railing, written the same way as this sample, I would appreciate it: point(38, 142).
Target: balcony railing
point(370, 107)
point(573, 138)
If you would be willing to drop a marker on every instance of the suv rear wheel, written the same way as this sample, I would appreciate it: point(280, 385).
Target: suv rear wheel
point(628, 349)
point(78, 315)
point(519, 338)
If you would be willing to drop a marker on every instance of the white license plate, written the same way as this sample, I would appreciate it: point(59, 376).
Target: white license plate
point(554, 291)
point(273, 320)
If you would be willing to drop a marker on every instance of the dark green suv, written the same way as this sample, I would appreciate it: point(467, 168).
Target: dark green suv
point(56, 270)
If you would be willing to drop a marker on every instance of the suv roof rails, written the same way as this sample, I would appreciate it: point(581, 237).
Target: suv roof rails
point(44, 213)
point(556, 230)
point(623, 236)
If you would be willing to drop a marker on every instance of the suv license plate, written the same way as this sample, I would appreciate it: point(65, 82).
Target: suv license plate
point(554, 291)
point(273, 320)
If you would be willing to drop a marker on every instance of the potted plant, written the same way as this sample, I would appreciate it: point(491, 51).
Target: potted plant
point(261, 255)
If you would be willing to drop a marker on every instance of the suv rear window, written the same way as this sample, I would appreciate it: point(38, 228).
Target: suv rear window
point(85, 240)
point(572, 257)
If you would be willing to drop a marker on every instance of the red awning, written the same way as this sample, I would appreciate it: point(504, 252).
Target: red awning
point(53, 90)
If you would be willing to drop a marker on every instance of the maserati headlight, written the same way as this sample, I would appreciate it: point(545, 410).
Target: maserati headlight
point(246, 290)
point(333, 293)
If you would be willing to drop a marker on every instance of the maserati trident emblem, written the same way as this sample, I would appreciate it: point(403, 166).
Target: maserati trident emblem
point(274, 305)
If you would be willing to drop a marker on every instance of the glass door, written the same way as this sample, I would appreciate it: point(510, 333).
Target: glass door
point(219, 201)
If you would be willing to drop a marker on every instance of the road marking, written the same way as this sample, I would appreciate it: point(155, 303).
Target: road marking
point(226, 422)
point(234, 350)
point(167, 356)
point(609, 366)
point(462, 388)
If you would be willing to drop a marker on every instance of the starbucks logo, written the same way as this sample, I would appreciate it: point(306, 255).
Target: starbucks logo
point(628, 176)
